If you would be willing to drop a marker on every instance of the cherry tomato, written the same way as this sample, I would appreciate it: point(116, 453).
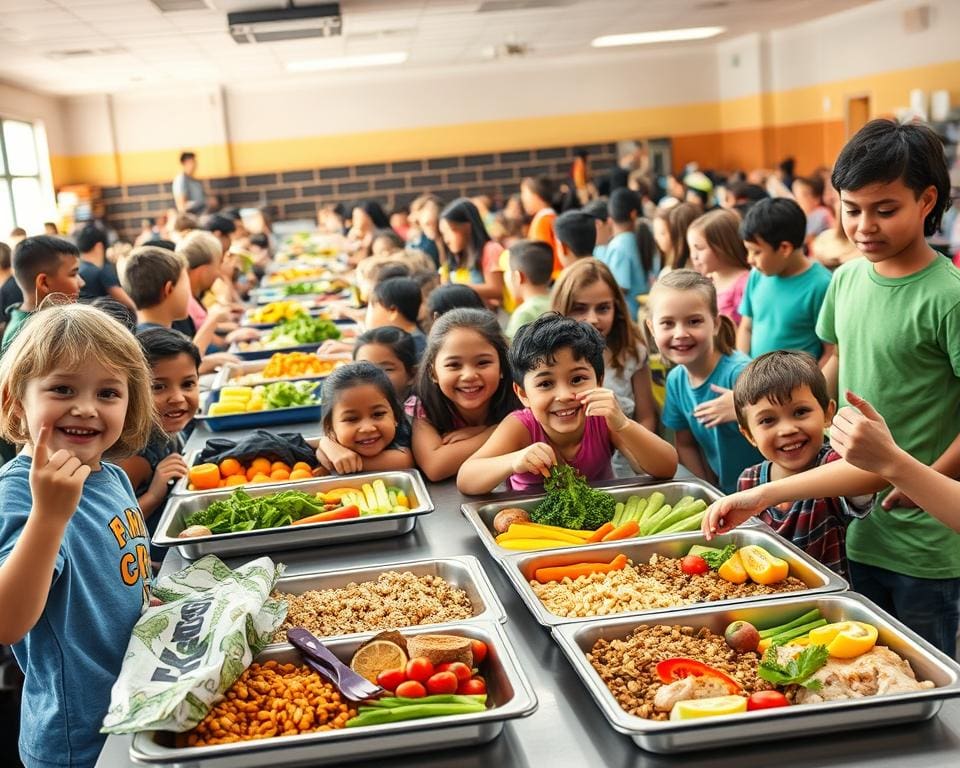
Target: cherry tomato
point(391, 678)
point(479, 651)
point(473, 687)
point(442, 682)
point(411, 690)
point(766, 700)
point(461, 670)
point(693, 564)
point(419, 669)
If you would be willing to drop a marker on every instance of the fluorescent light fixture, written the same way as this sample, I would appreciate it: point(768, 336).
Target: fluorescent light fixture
point(660, 36)
point(348, 62)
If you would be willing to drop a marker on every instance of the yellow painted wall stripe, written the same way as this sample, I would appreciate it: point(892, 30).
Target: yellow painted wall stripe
point(888, 90)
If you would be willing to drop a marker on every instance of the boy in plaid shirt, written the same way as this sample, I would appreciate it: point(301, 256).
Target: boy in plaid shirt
point(783, 408)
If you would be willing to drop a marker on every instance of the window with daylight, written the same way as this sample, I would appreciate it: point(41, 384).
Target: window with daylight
point(23, 202)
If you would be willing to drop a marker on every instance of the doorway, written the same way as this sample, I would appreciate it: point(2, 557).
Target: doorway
point(858, 113)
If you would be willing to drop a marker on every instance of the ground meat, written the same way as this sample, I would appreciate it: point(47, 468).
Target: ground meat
point(658, 584)
point(628, 666)
point(392, 600)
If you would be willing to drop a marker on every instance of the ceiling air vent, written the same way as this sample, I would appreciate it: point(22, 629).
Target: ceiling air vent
point(295, 22)
point(499, 6)
point(175, 6)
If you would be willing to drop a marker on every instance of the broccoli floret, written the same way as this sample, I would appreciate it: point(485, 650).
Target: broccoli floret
point(572, 503)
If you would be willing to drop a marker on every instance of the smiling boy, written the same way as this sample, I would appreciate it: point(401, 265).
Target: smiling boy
point(783, 408)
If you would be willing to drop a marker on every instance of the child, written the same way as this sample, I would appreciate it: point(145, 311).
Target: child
point(74, 552)
point(462, 391)
point(576, 232)
point(452, 296)
point(363, 424)
point(531, 264)
point(386, 242)
point(717, 251)
point(396, 302)
point(42, 265)
point(174, 363)
point(536, 197)
point(473, 256)
point(99, 275)
point(692, 334)
point(622, 254)
point(785, 290)
point(783, 408)
point(392, 350)
point(670, 235)
point(157, 281)
point(587, 292)
point(599, 211)
point(9, 292)
point(567, 417)
point(808, 192)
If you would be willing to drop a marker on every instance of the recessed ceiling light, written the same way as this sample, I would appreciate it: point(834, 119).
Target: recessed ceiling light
point(348, 62)
point(659, 36)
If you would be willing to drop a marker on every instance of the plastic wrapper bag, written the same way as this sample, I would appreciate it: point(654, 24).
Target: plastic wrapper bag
point(186, 653)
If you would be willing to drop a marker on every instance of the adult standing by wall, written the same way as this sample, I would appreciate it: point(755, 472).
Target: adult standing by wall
point(188, 194)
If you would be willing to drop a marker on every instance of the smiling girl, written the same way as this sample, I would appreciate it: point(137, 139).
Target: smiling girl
point(462, 392)
point(567, 417)
point(363, 424)
point(692, 334)
point(74, 557)
point(717, 251)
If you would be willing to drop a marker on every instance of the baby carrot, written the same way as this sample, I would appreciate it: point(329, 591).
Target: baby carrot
point(600, 533)
point(561, 572)
point(622, 531)
point(344, 513)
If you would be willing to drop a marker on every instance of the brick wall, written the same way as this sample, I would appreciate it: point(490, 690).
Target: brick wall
point(297, 194)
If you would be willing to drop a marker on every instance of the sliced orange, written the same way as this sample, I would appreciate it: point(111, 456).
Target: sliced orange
point(377, 656)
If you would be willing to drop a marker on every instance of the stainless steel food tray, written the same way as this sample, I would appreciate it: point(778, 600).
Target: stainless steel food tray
point(521, 567)
point(294, 537)
point(226, 375)
point(507, 688)
point(463, 571)
point(180, 487)
point(812, 720)
point(480, 514)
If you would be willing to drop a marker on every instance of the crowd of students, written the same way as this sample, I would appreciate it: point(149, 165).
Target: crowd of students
point(622, 336)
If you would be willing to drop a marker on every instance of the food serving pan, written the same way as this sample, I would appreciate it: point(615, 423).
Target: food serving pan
point(811, 720)
point(315, 313)
point(294, 537)
point(227, 375)
point(348, 331)
point(521, 567)
point(310, 300)
point(508, 690)
point(463, 571)
point(480, 514)
point(193, 458)
point(256, 419)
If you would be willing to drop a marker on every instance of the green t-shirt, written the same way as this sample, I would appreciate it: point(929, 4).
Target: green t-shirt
point(527, 312)
point(899, 345)
point(17, 318)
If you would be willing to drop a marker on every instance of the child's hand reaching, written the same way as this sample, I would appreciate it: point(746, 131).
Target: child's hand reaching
point(732, 511)
point(535, 459)
point(242, 334)
point(718, 411)
point(56, 482)
point(173, 467)
point(603, 402)
point(333, 457)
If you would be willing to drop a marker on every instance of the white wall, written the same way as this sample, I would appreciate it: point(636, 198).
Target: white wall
point(22, 104)
point(159, 120)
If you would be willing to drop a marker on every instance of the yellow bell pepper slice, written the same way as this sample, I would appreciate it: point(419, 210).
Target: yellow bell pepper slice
point(845, 639)
point(761, 566)
point(523, 531)
point(732, 570)
point(528, 544)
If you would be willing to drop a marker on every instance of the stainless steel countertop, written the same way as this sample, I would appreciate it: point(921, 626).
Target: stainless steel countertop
point(568, 729)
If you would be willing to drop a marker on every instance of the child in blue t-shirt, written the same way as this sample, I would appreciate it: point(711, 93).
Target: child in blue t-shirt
point(692, 334)
point(785, 290)
point(622, 254)
point(74, 553)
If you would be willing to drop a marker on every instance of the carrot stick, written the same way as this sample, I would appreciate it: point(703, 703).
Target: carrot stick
point(344, 513)
point(561, 572)
point(600, 533)
point(623, 531)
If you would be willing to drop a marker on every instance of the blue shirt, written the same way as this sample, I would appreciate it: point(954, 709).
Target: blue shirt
point(97, 281)
point(622, 256)
point(72, 656)
point(725, 450)
point(784, 310)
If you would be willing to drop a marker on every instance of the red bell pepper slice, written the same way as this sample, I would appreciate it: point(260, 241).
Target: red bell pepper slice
point(671, 670)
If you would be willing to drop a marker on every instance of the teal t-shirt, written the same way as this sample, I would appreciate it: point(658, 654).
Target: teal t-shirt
point(527, 312)
point(726, 451)
point(784, 310)
point(898, 341)
point(17, 318)
point(622, 256)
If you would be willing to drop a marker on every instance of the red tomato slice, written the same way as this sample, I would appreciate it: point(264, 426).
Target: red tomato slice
point(670, 670)
point(766, 700)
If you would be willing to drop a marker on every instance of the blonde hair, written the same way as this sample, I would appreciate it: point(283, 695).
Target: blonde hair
point(624, 337)
point(725, 338)
point(64, 336)
point(721, 230)
point(200, 247)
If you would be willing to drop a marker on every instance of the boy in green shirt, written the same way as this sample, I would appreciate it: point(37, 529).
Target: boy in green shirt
point(531, 264)
point(895, 318)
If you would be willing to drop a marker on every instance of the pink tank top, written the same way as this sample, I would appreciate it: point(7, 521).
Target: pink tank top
point(592, 459)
